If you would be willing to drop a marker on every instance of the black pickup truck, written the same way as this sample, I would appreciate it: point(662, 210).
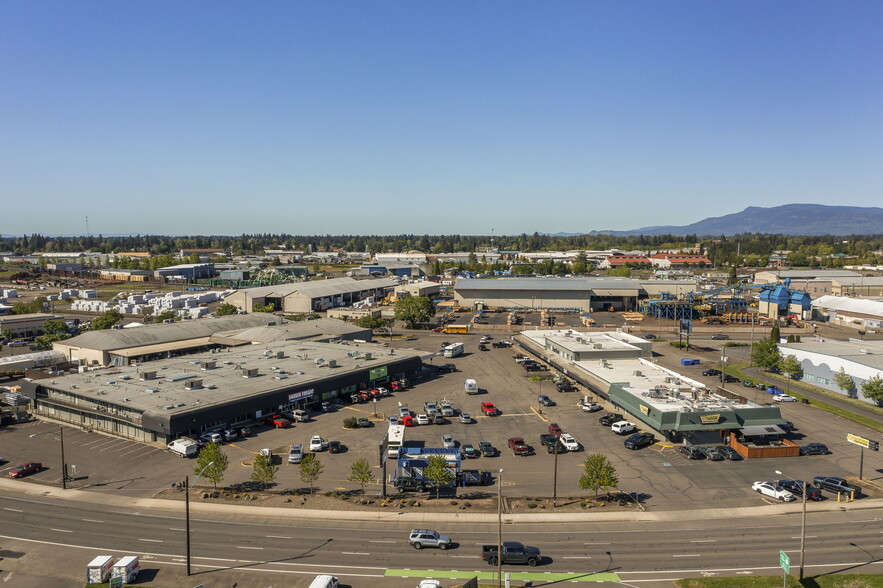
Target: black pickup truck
point(549, 442)
point(513, 553)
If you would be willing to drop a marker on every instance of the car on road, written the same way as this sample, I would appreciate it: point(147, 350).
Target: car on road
point(796, 488)
point(482, 347)
point(429, 583)
point(469, 451)
point(569, 443)
point(317, 443)
point(787, 426)
point(408, 420)
point(420, 538)
point(3, 460)
point(404, 410)
point(835, 484)
point(711, 453)
point(364, 423)
point(773, 491)
point(784, 398)
point(690, 451)
point(711, 372)
point(487, 449)
point(638, 440)
point(545, 400)
point(448, 442)
point(554, 429)
point(465, 418)
point(591, 407)
point(814, 449)
point(720, 337)
point(748, 383)
point(503, 343)
point(25, 469)
point(488, 409)
point(422, 419)
point(610, 418)
point(447, 367)
point(277, 421)
point(729, 453)
point(552, 444)
point(730, 378)
point(649, 336)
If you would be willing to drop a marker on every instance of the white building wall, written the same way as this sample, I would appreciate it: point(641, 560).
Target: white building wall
point(819, 370)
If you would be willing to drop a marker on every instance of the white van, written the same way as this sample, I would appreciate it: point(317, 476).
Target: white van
point(325, 581)
point(471, 386)
point(623, 427)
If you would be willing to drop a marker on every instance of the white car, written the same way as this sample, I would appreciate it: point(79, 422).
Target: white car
point(773, 491)
point(569, 443)
point(429, 584)
point(422, 419)
point(383, 391)
point(465, 418)
point(317, 443)
point(448, 442)
point(404, 410)
point(784, 398)
point(591, 406)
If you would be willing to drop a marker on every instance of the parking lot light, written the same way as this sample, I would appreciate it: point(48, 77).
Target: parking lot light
point(802, 525)
point(64, 476)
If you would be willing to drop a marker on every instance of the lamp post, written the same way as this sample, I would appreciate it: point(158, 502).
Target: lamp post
point(64, 476)
point(555, 476)
point(802, 524)
point(187, 511)
point(500, 529)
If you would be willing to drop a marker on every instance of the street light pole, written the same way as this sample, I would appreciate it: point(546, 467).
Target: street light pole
point(555, 477)
point(187, 511)
point(63, 462)
point(500, 529)
point(802, 526)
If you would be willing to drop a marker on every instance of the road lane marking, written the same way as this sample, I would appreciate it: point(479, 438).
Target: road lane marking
point(354, 553)
point(13, 509)
point(152, 540)
point(380, 541)
point(176, 529)
point(277, 537)
point(599, 543)
point(61, 530)
point(91, 521)
point(577, 557)
point(703, 541)
point(246, 547)
point(687, 555)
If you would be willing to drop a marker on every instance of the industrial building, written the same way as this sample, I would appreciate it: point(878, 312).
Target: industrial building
point(822, 360)
point(317, 295)
point(619, 367)
point(123, 346)
point(26, 325)
point(163, 400)
point(423, 288)
point(857, 313)
point(187, 271)
point(861, 286)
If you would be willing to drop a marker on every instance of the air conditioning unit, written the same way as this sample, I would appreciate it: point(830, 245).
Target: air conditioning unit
point(332, 363)
point(208, 365)
point(193, 384)
point(146, 376)
point(249, 373)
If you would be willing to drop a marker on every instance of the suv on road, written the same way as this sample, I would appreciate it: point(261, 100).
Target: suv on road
point(420, 538)
point(487, 449)
point(711, 372)
point(720, 337)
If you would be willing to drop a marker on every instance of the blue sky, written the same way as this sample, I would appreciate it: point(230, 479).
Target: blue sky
point(431, 117)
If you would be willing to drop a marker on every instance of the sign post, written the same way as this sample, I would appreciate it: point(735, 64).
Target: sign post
point(785, 563)
point(864, 444)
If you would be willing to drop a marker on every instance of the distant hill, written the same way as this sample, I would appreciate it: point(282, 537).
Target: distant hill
point(789, 219)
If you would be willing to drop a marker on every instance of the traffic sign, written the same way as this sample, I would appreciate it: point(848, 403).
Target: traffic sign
point(785, 562)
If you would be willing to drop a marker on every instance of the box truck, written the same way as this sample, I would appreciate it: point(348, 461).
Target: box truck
point(126, 568)
point(471, 386)
point(184, 447)
point(98, 570)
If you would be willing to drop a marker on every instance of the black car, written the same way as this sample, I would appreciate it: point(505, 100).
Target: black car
point(566, 388)
point(487, 449)
point(364, 423)
point(610, 418)
point(711, 372)
point(814, 449)
point(545, 400)
point(469, 451)
point(787, 426)
point(638, 440)
point(835, 484)
point(335, 447)
point(711, 453)
point(729, 453)
point(720, 337)
point(729, 378)
point(690, 451)
point(796, 487)
point(649, 336)
point(550, 442)
point(482, 347)
point(447, 367)
point(473, 478)
point(406, 484)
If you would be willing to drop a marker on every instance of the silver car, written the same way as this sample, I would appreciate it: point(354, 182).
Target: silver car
point(420, 538)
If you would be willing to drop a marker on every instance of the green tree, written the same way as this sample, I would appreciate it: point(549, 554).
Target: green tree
point(438, 472)
point(211, 454)
point(310, 468)
point(599, 474)
point(580, 265)
point(732, 278)
point(264, 472)
point(765, 353)
point(106, 320)
point(775, 334)
point(845, 382)
point(46, 341)
point(193, 258)
point(790, 366)
point(166, 315)
point(226, 309)
point(620, 272)
point(371, 321)
point(361, 473)
point(265, 308)
point(873, 389)
point(55, 326)
point(414, 310)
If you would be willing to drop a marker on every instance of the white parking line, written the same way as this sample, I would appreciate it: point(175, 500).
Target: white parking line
point(61, 530)
point(91, 521)
point(176, 529)
point(277, 537)
point(354, 553)
point(703, 541)
point(139, 448)
point(599, 543)
point(244, 547)
point(13, 509)
point(687, 555)
point(152, 540)
point(576, 557)
point(126, 443)
point(380, 541)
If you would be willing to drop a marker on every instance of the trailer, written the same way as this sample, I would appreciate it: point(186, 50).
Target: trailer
point(98, 570)
point(127, 568)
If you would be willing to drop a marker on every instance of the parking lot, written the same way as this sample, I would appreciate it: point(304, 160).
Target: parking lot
point(665, 478)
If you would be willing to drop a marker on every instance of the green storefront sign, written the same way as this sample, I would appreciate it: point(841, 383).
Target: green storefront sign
point(377, 373)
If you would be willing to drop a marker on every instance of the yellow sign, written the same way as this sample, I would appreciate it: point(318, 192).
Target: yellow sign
point(858, 440)
point(645, 410)
point(709, 419)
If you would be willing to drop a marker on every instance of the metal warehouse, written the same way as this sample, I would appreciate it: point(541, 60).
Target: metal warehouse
point(821, 361)
point(160, 401)
point(587, 294)
point(311, 296)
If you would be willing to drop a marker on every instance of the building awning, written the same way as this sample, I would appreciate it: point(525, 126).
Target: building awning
point(710, 427)
point(162, 347)
point(761, 430)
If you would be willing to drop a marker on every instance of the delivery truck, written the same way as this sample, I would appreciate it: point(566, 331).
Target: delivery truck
point(98, 570)
point(126, 568)
point(184, 447)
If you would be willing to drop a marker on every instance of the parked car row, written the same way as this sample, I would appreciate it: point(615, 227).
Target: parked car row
point(789, 490)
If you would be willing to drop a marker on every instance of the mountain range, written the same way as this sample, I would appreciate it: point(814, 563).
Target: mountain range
point(788, 219)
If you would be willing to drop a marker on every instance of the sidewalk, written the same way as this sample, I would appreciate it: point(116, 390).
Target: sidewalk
point(12, 486)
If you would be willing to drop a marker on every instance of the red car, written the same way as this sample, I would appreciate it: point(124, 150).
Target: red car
point(25, 469)
point(554, 429)
point(278, 421)
point(488, 408)
point(408, 421)
point(396, 385)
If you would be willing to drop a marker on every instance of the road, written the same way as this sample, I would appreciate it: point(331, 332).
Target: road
point(255, 550)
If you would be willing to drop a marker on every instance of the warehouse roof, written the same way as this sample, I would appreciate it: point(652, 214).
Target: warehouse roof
point(320, 288)
point(296, 330)
point(852, 305)
point(562, 284)
point(869, 353)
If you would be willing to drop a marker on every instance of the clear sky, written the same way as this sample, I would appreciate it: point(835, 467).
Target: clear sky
point(383, 117)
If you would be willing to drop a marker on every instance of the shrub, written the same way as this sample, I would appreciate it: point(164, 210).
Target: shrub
point(679, 344)
point(531, 505)
point(350, 423)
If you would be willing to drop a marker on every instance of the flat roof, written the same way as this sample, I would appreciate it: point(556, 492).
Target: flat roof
point(319, 288)
point(563, 284)
point(579, 342)
point(225, 383)
point(855, 305)
point(869, 353)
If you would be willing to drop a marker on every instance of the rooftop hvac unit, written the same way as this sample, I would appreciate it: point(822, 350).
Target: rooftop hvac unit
point(209, 387)
point(152, 390)
point(110, 383)
point(169, 406)
point(369, 355)
point(332, 363)
point(319, 361)
point(125, 377)
point(637, 373)
point(280, 377)
point(280, 355)
point(192, 384)
point(864, 351)
point(146, 375)
point(208, 365)
point(597, 346)
point(249, 373)
point(126, 400)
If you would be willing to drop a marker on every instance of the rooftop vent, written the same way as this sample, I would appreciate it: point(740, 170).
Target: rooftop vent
point(194, 384)
point(209, 365)
point(332, 363)
point(280, 355)
point(368, 355)
point(249, 373)
point(146, 376)
point(169, 406)
point(152, 390)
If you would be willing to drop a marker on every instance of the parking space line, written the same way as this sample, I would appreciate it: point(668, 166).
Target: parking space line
point(126, 443)
point(137, 448)
point(143, 454)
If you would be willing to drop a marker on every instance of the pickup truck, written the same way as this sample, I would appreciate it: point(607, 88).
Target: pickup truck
point(518, 446)
point(278, 421)
point(513, 553)
point(549, 442)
